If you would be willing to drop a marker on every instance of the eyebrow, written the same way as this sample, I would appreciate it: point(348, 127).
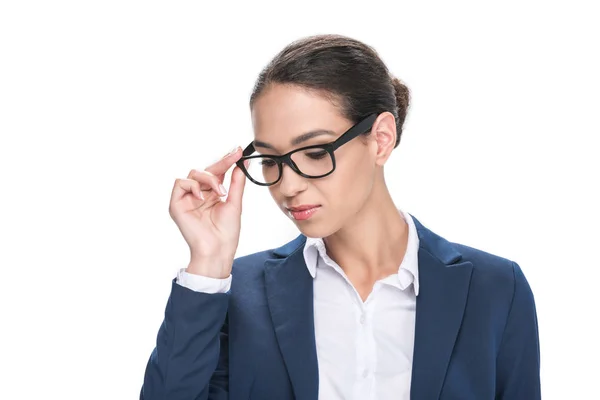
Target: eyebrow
point(300, 139)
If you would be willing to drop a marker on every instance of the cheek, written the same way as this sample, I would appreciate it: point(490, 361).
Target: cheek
point(356, 167)
point(351, 182)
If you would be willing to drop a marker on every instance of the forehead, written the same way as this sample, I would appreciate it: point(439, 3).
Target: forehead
point(283, 112)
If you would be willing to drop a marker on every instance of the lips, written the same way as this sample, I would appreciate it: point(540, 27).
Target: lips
point(303, 207)
point(303, 212)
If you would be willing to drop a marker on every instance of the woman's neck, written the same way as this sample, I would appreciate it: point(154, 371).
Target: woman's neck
point(372, 245)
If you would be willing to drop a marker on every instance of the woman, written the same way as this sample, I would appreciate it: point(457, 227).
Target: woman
point(366, 303)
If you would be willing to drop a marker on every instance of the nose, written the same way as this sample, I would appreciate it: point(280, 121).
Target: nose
point(291, 183)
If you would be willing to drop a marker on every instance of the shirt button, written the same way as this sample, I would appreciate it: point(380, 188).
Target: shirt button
point(362, 319)
point(365, 373)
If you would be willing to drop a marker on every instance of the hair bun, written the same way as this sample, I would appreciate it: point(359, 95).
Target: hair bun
point(402, 101)
point(402, 98)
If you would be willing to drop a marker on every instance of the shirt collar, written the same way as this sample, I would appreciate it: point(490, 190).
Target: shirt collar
point(408, 271)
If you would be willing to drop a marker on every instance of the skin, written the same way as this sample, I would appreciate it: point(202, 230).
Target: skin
point(361, 226)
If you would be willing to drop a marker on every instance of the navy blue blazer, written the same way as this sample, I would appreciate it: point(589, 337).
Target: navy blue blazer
point(476, 334)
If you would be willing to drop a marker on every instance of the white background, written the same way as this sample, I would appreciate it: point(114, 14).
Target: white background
point(104, 104)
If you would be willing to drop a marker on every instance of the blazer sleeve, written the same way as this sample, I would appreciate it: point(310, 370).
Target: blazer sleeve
point(518, 362)
point(190, 360)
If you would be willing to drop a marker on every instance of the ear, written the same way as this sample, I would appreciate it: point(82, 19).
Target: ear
point(384, 130)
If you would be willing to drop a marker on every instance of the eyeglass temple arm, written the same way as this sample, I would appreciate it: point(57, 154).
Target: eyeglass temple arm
point(248, 150)
point(360, 127)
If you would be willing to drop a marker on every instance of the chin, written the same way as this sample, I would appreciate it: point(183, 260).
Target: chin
point(319, 229)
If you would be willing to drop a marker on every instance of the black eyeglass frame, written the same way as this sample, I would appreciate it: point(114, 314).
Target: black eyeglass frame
point(359, 128)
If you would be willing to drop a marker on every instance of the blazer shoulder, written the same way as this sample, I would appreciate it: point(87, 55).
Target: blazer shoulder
point(490, 270)
point(248, 271)
point(254, 263)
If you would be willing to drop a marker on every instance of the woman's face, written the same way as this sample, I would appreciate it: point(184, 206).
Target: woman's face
point(284, 112)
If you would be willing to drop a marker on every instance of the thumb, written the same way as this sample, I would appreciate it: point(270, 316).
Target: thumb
point(236, 188)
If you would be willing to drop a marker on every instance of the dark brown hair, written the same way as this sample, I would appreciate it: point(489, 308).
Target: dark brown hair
point(350, 73)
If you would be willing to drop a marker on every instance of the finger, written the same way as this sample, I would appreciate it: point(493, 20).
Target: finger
point(236, 189)
point(197, 191)
point(184, 186)
point(208, 181)
point(220, 167)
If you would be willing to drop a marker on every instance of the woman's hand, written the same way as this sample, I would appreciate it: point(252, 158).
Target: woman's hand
point(209, 224)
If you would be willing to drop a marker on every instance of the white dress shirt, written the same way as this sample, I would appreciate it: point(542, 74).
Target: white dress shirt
point(364, 349)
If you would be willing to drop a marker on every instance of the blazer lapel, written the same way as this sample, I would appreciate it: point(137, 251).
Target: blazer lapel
point(443, 287)
point(289, 289)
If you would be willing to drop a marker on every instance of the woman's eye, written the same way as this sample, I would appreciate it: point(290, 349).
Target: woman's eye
point(267, 163)
point(317, 155)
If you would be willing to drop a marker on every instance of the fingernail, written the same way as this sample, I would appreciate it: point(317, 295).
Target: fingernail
point(236, 148)
point(223, 190)
point(230, 152)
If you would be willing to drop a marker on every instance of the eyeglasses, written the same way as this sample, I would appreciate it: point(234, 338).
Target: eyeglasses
point(313, 162)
